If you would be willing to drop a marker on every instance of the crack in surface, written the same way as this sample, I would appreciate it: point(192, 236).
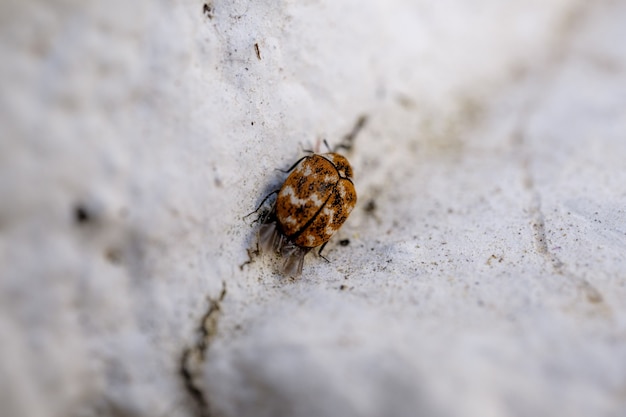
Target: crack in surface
point(548, 73)
point(193, 357)
point(538, 224)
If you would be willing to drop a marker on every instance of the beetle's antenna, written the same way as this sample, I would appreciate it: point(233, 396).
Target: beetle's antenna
point(293, 166)
point(348, 140)
point(306, 150)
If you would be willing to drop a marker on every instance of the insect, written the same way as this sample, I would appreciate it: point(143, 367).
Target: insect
point(314, 201)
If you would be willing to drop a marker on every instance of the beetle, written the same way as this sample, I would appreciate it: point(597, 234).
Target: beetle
point(312, 204)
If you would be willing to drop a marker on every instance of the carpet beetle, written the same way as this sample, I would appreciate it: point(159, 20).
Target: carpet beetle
point(312, 204)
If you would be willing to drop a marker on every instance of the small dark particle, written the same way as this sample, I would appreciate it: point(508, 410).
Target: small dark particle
point(81, 214)
point(207, 10)
point(370, 207)
point(257, 50)
point(344, 242)
point(342, 287)
point(405, 101)
point(113, 255)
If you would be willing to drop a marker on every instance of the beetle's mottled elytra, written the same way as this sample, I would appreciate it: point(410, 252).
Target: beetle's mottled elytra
point(312, 204)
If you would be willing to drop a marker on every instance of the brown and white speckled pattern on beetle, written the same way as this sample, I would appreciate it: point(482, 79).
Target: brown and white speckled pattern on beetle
point(312, 204)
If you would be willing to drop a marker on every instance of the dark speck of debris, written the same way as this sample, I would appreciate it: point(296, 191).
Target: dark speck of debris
point(207, 10)
point(81, 214)
point(342, 287)
point(257, 50)
point(370, 207)
point(405, 101)
point(344, 242)
point(113, 255)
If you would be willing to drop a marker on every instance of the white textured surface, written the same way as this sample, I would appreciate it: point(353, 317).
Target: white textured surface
point(490, 279)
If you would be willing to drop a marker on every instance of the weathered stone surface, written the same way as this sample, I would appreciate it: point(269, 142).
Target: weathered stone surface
point(485, 270)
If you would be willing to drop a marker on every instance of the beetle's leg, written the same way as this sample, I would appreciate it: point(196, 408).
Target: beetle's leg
point(320, 252)
point(293, 166)
point(262, 202)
